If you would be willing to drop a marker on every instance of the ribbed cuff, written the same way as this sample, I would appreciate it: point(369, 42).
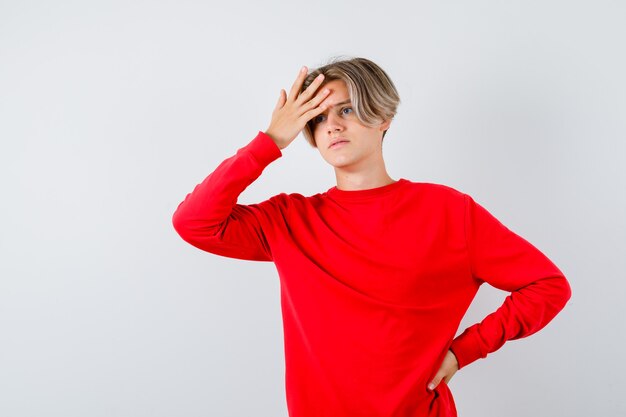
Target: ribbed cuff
point(466, 347)
point(263, 148)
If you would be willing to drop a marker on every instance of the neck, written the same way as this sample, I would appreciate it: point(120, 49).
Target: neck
point(351, 181)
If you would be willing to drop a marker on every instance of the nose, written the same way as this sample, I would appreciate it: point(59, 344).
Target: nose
point(333, 122)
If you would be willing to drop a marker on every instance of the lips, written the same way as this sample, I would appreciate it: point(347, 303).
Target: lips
point(337, 140)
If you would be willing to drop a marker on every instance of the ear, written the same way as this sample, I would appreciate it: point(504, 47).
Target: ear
point(384, 125)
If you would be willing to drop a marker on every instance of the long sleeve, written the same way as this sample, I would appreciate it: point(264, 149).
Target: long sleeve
point(210, 218)
point(498, 256)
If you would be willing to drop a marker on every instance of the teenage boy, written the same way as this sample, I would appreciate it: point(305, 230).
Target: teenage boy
point(375, 273)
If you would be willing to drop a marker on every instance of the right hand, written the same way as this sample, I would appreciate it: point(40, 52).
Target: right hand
point(446, 371)
point(292, 113)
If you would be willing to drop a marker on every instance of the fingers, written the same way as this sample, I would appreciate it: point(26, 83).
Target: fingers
point(447, 370)
point(281, 101)
point(438, 378)
point(441, 376)
point(433, 384)
point(295, 88)
point(310, 90)
point(300, 106)
point(295, 94)
point(314, 102)
point(319, 97)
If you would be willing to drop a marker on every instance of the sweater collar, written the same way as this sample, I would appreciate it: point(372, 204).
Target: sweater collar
point(338, 194)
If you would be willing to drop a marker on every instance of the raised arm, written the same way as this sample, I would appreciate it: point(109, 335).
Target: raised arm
point(498, 256)
point(210, 218)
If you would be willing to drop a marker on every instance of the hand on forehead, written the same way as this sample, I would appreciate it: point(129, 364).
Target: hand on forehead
point(338, 95)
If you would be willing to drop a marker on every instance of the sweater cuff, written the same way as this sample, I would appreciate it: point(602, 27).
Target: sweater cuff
point(466, 347)
point(263, 148)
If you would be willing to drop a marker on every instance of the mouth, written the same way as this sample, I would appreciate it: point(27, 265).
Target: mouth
point(336, 143)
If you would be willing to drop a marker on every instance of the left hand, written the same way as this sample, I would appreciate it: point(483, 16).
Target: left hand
point(448, 368)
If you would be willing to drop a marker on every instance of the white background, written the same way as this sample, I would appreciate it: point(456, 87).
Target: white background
point(111, 112)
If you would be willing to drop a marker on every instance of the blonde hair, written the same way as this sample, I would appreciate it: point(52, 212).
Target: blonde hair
point(374, 96)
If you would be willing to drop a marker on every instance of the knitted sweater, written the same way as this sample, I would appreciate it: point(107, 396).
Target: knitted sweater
point(374, 283)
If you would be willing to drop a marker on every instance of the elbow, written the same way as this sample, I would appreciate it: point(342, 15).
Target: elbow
point(180, 224)
point(197, 232)
point(550, 296)
point(562, 288)
point(560, 292)
point(184, 228)
point(566, 290)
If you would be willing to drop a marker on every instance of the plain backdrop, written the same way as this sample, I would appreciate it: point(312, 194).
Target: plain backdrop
point(112, 111)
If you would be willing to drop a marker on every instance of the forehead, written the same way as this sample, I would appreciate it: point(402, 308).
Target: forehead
point(338, 92)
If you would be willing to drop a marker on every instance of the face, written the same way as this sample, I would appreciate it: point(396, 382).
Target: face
point(362, 145)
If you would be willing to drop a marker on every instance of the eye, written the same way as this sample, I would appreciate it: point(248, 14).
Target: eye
point(320, 117)
point(317, 119)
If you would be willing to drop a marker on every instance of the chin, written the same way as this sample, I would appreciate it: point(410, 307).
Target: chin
point(337, 161)
point(341, 163)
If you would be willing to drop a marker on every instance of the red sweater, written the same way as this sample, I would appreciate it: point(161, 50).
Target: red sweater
point(374, 283)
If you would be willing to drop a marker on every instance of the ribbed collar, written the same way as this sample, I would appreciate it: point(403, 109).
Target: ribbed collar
point(352, 195)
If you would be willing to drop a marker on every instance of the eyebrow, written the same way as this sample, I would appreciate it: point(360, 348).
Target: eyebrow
point(343, 102)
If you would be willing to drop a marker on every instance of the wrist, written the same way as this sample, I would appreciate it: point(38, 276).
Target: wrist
point(276, 141)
